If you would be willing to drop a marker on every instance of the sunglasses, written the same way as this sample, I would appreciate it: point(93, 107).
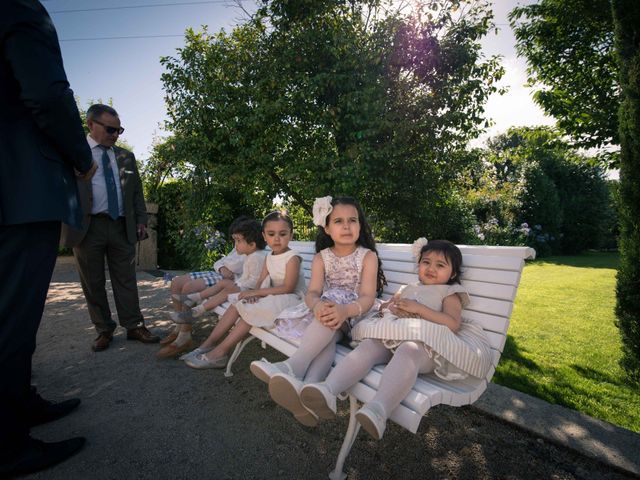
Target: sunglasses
point(111, 130)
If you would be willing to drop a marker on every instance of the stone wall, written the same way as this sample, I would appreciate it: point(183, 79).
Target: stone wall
point(147, 250)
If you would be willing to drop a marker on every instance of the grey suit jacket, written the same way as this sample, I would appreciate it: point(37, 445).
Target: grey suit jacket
point(135, 211)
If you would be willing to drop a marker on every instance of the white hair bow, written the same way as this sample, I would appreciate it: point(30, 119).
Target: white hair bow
point(417, 247)
point(321, 209)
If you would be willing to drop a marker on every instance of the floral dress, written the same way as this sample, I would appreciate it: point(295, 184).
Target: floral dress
point(341, 283)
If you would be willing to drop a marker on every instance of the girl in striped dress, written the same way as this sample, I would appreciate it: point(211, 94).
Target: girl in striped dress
point(419, 330)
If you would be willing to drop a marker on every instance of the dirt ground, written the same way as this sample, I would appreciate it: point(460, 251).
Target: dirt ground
point(150, 419)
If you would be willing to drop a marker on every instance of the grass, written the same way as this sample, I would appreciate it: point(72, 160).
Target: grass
point(563, 345)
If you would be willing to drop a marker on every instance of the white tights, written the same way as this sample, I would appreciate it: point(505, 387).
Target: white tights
point(313, 359)
point(399, 375)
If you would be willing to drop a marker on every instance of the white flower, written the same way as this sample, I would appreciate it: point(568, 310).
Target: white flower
point(321, 209)
point(417, 246)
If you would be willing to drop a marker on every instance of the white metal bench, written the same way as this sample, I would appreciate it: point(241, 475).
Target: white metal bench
point(490, 274)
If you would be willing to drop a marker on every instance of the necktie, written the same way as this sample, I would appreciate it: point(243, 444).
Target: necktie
point(112, 193)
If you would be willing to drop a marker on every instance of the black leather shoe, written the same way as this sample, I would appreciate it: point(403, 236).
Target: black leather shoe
point(43, 411)
point(37, 455)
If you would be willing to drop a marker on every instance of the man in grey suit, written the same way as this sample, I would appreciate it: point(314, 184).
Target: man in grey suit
point(42, 149)
point(114, 218)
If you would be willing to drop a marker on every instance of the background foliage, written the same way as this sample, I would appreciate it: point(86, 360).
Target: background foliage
point(313, 98)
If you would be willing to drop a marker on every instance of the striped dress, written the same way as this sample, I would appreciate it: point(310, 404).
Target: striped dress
point(456, 355)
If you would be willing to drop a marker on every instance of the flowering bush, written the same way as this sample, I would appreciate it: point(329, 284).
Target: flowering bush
point(213, 242)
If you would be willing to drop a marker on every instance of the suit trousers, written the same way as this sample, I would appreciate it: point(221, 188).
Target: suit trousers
point(27, 257)
point(107, 238)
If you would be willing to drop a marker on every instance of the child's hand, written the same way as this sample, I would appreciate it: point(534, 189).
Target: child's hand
point(319, 309)
point(405, 308)
point(226, 273)
point(249, 296)
point(334, 316)
point(385, 305)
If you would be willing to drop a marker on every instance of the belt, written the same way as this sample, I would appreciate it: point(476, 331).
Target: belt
point(103, 215)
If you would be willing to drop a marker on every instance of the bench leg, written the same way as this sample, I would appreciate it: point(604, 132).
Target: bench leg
point(349, 438)
point(236, 353)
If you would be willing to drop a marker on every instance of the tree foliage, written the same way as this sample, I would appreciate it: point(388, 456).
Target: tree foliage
point(568, 45)
point(336, 97)
point(627, 27)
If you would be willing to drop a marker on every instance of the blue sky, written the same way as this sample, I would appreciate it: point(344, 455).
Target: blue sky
point(128, 69)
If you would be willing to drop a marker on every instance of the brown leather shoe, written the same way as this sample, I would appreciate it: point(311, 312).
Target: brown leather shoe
point(143, 335)
point(169, 338)
point(172, 350)
point(102, 342)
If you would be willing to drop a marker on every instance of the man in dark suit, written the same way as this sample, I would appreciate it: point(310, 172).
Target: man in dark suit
point(114, 218)
point(41, 145)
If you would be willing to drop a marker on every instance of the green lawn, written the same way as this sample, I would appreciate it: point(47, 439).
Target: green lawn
point(563, 345)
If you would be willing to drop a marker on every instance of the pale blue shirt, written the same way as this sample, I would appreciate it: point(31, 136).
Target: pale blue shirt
point(98, 183)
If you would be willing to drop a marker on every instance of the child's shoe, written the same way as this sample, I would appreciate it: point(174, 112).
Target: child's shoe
point(264, 370)
point(371, 418)
point(169, 338)
point(195, 353)
point(318, 398)
point(198, 311)
point(285, 391)
point(201, 362)
point(173, 349)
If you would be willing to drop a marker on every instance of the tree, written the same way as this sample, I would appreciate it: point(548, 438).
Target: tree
point(325, 97)
point(626, 14)
point(536, 188)
point(568, 45)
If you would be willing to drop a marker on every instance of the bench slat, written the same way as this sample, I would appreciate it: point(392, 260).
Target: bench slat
point(490, 290)
point(490, 323)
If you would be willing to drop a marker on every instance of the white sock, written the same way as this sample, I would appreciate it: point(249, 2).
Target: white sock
point(196, 297)
point(198, 310)
point(183, 337)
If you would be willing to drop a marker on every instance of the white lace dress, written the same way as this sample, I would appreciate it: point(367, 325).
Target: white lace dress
point(457, 355)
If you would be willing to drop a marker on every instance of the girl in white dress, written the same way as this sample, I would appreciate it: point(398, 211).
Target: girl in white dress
point(419, 330)
point(281, 285)
point(345, 277)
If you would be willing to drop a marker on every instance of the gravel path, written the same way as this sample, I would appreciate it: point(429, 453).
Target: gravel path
point(145, 418)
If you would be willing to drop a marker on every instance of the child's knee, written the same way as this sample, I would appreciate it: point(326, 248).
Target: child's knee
point(409, 348)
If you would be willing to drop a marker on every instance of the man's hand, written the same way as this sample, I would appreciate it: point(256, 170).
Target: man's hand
point(142, 231)
point(89, 173)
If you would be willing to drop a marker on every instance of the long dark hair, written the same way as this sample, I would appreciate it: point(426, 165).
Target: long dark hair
point(450, 252)
point(323, 240)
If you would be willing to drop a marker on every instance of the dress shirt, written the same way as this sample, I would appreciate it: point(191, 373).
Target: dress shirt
point(98, 185)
